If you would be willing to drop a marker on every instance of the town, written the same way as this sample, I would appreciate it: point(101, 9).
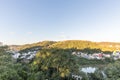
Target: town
point(100, 56)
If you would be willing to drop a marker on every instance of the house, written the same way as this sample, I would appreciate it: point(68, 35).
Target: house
point(107, 55)
point(74, 53)
point(98, 55)
point(77, 53)
point(16, 55)
point(116, 53)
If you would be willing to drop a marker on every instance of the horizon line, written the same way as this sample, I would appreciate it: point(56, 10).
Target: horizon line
point(57, 41)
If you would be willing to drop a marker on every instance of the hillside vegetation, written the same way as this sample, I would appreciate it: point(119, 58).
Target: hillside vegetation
point(80, 44)
point(33, 45)
point(75, 44)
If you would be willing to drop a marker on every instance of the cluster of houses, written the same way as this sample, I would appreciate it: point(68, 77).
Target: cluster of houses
point(116, 55)
point(25, 57)
point(99, 56)
point(28, 55)
point(91, 56)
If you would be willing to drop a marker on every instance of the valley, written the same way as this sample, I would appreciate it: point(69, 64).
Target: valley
point(60, 60)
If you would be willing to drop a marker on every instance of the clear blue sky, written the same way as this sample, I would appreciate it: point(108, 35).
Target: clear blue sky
point(27, 21)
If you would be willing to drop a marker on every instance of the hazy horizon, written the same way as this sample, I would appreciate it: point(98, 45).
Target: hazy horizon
point(23, 22)
point(58, 41)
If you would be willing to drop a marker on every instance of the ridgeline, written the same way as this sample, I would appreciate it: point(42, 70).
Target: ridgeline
point(69, 44)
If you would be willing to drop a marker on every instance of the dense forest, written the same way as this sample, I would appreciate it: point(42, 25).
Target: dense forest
point(54, 61)
point(53, 64)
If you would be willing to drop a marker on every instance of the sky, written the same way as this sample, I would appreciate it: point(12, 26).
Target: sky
point(29, 21)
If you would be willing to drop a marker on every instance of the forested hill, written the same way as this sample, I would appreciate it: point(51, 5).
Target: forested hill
point(77, 44)
point(80, 44)
point(37, 44)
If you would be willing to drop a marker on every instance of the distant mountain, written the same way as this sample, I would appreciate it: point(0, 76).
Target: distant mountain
point(68, 44)
point(33, 45)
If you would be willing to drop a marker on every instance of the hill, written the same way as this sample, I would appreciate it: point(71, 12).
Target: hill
point(81, 44)
point(68, 44)
point(33, 45)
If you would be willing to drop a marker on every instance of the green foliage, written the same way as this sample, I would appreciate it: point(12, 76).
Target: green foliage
point(90, 51)
point(55, 63)
point(84, 61)
point(113, 71)
point(7, 66)
point(97, 75)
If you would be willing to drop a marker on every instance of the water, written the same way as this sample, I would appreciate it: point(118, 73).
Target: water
point(88, 69)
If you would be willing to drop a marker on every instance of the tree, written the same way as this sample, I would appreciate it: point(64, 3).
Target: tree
point(112, 71)
point(55, 63)
point(7, 66)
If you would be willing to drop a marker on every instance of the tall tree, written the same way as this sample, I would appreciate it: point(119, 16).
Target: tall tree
point(56, 63)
